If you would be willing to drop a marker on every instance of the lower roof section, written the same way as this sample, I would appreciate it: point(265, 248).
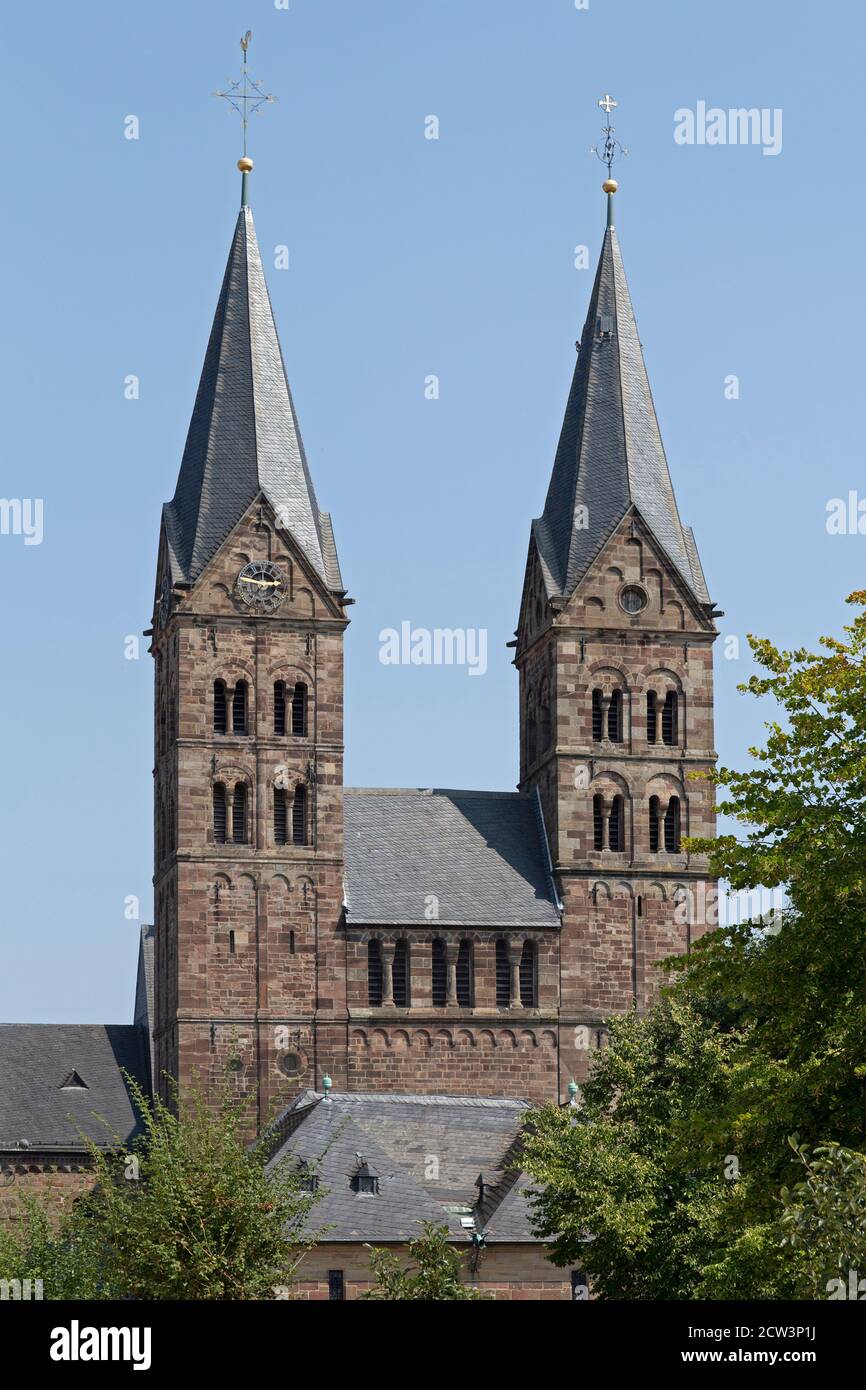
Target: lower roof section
point(437, 857)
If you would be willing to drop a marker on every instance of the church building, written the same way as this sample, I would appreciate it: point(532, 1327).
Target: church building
point(318, 940)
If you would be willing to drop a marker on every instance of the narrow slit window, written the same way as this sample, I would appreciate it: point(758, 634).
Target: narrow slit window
point(614, 717)
point(669, 718)
point(672, 826)
point(652, 732)
point(616, 826)
point(239, 709)
point(654, 824)
point(231, 943)
point(596, 716)
point(597, 823)
point(464, 974)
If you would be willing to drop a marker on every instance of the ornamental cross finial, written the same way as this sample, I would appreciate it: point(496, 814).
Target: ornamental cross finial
point(608, 151)
point(245, 95)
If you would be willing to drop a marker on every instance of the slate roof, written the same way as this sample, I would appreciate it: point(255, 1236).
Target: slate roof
point(244, 440)
point(483, 855)
point(610, 457)
point(36, 1059)
point(396, 1135)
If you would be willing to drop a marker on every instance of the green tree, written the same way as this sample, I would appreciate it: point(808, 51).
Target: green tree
point(187, 1212)
point(434, 1272)
point(824, 1217)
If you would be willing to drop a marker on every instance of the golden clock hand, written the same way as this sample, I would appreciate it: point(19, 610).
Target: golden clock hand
point(262, 583)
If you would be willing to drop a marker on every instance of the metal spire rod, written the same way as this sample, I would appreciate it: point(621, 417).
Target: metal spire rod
point(245, 96)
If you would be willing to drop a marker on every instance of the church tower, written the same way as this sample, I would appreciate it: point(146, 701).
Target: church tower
point(614, 653)
point(247, 638)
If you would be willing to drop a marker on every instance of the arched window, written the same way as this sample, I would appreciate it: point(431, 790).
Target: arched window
point(669, 718)
point(672, 826)
point(374, 974)
point(614, 717)
point(597, 823)
point(239, 708)
point(239, 814)
point(299, 816)
point(400, 974)
point(220, 708)
point(438, 973)
point(616, 826)
point(299, 710)
point(464, 974)
point(503, 974)
point(279, 707)
point(654, 824)
point(652, 722)
point(528, 990)
point(597, 724)
point(219, 813)
point(281, 817)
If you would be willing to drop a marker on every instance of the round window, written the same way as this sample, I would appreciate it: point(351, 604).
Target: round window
point(292, 1063)
point(632, 598)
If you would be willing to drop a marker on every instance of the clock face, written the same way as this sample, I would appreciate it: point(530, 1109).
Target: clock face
point(261, 585)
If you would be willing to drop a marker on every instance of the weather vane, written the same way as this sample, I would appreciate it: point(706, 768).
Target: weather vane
point(607, 153)
point(246, 97)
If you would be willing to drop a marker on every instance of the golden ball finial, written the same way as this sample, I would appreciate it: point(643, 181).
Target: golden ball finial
point(245, 164)
point(610, 185)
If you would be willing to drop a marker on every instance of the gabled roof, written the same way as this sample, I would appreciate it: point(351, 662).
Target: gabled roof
point(395, 1135)
point(610, 457)
point(244, 439)
point(39, 1104)
point(483, 855)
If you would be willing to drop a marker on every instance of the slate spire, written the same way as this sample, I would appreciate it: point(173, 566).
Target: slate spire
point(610, 456)
point(244, 438)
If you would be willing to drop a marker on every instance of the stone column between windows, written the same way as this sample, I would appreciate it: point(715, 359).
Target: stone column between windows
point(386, 950)
point(452, 949)
point(515, 951)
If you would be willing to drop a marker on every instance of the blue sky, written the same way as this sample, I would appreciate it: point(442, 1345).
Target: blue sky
point(408, 257)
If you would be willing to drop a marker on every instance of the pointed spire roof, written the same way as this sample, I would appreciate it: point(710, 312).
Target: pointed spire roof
point(244, 439)
point(610, 457)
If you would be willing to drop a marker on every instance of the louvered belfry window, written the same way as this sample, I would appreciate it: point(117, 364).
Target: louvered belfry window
point(279, 707)
point(438, 973)
point(527, 975)
point(597, 823)
point(374, 974)
point(596, 716)
point(651, 717)
point(299, 816)
point(239, 814)
point(464, 974)
point(503, 974)
point(616, 826)
point(220, 708)
point(614, 717)
point(654, 824)
point(669, 718)
point(672, 826)
point(281, 817)
point(299, 710)
point(400, 974)
point(219, 814)
point(239, 709)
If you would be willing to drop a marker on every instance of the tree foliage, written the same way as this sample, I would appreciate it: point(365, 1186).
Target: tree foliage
point(434, 1271)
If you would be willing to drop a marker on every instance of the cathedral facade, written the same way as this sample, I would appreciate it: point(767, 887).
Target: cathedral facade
point(428, 940)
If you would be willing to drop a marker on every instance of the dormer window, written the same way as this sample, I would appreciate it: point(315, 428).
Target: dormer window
point(74, 1082)
point(365, 1181)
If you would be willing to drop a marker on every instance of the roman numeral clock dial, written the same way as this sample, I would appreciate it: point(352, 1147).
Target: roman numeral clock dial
point(261, 586)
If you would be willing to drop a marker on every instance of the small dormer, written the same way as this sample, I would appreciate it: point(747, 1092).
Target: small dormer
point(74, 1082)
point(365, 1180)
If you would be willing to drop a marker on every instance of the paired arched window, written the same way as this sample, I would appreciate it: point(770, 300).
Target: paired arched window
point(666, 714)
point(376, 975)
point(608, 824)
point(230, 814)
point(664, 827)
point(607, 716)
point(526, 971)
point(290, 709)
point(230, 708)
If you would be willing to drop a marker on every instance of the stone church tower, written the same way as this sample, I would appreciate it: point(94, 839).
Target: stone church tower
point(614, 651)
point(247, 639)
